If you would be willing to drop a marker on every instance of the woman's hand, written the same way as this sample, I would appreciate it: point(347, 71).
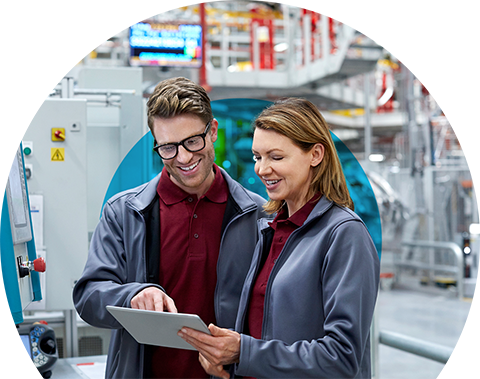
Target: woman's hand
point(217, 371)
point(220, 348)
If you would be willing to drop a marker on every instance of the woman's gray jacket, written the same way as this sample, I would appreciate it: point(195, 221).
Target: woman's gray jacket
point(123, 260)
point(319, 300)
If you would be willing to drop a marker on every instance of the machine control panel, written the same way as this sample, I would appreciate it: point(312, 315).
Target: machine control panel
point(27, 351)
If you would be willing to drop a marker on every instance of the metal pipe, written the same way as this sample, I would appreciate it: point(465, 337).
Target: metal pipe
point(415, 346)
point(71, 333)
point(108, 92)
point(307, 53)
point(256, 49)
point(325, 39)
point(368, 124)
point(203, 67)
point(454, 248)
point(26, 92)
point(426, 266)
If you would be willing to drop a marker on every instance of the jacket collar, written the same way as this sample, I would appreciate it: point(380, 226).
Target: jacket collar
point(321, 207)
point(238, 193)
point(144, 195)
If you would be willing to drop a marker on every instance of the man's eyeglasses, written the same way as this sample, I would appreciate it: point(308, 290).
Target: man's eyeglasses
point(191, 144)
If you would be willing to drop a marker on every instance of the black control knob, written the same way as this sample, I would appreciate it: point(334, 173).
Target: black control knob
point(48, 346)
point(23, 271)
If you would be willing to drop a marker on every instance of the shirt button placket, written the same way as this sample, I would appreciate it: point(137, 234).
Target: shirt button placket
point(194, 221)
point(192, 207)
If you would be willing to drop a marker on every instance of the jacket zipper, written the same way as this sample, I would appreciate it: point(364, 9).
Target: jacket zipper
point(236, 217)
point(275, 269)
point(261, 241)
point(145, 271)
point(271, 277)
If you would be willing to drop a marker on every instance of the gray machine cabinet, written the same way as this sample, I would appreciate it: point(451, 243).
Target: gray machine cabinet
point(59, 173)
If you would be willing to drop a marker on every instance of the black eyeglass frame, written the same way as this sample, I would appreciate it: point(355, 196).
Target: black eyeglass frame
point(182, 143)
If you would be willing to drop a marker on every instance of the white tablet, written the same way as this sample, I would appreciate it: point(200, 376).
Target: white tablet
point(157, 328)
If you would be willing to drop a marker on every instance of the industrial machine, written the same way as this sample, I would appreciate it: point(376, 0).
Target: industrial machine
point(21, 267)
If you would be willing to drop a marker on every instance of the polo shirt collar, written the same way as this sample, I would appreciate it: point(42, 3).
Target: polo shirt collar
point(218, 191)
point(300, 216)
point(170, 193)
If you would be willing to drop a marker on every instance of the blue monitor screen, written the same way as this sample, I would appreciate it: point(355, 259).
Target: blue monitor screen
point(17, 200)
point(15, 348)
point(165, 44)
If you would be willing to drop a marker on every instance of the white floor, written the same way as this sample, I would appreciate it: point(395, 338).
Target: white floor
point(431, 314)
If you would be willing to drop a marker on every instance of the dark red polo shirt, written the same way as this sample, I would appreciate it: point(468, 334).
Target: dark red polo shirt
point(283, 227)
point(190, 233)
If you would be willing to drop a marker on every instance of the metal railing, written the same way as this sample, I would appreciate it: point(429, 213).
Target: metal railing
point(456, 269)
point(415, 346)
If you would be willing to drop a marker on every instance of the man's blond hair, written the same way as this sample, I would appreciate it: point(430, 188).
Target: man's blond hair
point(176, 96)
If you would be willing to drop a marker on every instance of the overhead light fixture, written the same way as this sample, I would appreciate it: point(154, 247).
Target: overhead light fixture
point(280, 47)
point(376, 157)
point(474, 229)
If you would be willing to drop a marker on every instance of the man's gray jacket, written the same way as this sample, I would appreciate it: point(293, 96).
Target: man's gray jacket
point(123, 260)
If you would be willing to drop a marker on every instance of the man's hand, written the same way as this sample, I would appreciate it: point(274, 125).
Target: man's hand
point(220, 348)
point(153, 299)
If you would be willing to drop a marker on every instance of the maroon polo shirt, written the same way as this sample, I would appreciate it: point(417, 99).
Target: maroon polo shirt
point(190, 233)
point(283, 226)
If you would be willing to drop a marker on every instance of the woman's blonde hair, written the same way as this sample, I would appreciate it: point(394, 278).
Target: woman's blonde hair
point(300, 120)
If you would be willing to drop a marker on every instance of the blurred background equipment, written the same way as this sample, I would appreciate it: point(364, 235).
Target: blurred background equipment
point(21, 267)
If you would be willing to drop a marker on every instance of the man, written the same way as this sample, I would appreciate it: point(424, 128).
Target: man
point(181, 242)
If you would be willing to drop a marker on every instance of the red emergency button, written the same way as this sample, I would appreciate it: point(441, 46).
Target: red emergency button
point(39, 265)
point(59, 134)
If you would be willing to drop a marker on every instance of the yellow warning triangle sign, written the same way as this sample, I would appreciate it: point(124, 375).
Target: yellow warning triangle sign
point(57, 154)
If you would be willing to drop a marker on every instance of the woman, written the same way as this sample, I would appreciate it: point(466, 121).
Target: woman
point(308, 300)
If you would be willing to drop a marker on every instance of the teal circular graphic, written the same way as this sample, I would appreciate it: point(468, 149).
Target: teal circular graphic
point(233, 153)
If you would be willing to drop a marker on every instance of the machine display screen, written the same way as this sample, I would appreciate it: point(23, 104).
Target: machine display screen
point(15, 348)
point(18, 202)
point(9, 166)
point(165, 44)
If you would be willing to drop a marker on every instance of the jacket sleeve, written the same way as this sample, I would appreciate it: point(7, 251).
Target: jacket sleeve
point(348, 286)
point(104, 280)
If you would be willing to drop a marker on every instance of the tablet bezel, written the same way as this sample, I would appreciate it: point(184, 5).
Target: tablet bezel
point(157, 328)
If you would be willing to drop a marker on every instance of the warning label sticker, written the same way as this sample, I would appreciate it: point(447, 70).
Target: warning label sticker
point(57, 154)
